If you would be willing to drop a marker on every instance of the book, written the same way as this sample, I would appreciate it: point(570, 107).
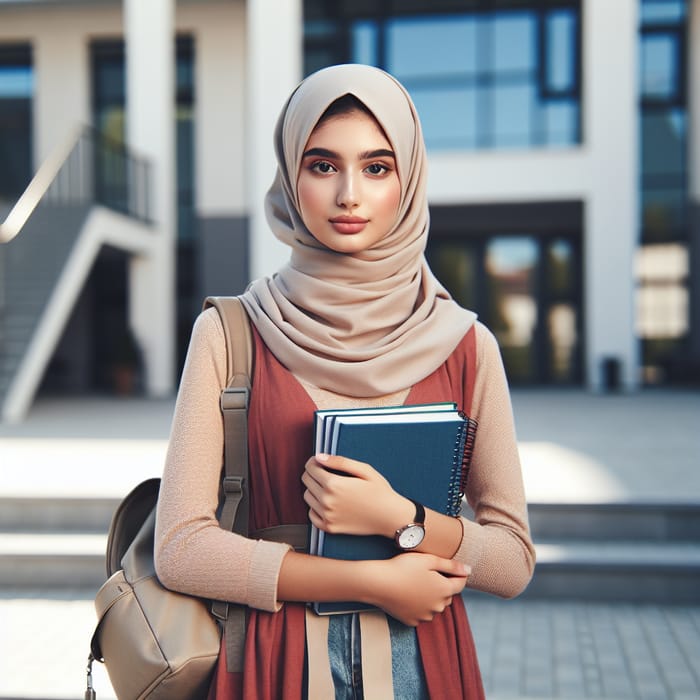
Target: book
point(423, 451)
point(325, 417)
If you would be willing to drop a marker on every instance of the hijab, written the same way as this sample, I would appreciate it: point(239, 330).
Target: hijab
point(364, 324)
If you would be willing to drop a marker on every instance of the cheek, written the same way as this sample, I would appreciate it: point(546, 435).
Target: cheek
point(393, 199)
point(309, 196)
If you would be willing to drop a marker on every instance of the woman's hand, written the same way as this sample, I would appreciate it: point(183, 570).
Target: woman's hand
point(354, 499)
point(414, 587)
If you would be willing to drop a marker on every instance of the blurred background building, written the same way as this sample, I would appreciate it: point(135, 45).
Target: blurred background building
point(136, 149)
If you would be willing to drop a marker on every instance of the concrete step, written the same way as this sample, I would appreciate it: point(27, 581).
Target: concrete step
point(77, 515)
point(60, 560)
point(619, 521)
point(634, 571)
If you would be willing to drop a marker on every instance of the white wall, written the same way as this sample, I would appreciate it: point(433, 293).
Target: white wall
point(220, 61)
point(59, 37)
point(516, 176)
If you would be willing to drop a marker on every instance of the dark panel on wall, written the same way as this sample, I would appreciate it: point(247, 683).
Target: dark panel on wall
point(223, 246)
point(537, 217)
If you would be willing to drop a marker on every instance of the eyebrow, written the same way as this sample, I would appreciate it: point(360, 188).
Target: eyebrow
point(365, 155)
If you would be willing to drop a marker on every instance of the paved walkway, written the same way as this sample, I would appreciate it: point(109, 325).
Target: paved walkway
point(574, 446)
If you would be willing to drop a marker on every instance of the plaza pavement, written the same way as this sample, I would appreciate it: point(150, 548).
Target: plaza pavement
point(575, 447)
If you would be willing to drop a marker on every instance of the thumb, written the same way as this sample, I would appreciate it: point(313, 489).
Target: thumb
point(342, 465)
point(452, 567)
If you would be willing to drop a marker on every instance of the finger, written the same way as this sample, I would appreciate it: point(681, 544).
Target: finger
point(312, 501)
point(316, 519)
point(345, 465)
point(318, 477)
point(312, 485)
point(451, 567)
point(456, 584)
point(309, 480)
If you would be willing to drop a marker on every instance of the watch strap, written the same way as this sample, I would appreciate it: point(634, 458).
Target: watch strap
point(419, 518)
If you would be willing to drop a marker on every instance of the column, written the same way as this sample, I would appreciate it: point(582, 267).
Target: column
point(610, 133)
point(274, 54)
point(150, 119)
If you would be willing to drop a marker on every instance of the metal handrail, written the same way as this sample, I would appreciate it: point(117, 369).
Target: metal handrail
point(104, 171)
point(37, 188)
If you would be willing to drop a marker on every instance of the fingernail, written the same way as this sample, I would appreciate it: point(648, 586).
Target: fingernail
point(466, 570)
point(322, 457)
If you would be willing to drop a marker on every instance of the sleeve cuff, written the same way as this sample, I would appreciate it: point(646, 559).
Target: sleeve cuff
point(265, 564)
point(469, 551)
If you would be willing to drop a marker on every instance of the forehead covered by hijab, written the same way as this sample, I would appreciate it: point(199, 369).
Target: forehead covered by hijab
point(377, 90)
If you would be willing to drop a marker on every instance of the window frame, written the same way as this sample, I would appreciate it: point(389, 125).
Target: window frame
point(336, 43)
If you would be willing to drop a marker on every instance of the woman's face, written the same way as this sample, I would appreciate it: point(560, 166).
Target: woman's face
point(348, 186)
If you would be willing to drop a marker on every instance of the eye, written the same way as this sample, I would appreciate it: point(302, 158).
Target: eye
point(322, 166)
point(377, 169)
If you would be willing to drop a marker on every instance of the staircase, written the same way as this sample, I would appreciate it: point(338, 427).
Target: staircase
point(643, 553)
point(54, 543)
point(31, 265)
point(87, 180)
point(646, 552)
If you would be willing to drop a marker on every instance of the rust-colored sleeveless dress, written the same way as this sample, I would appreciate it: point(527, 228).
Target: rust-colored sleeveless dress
point(280, 441)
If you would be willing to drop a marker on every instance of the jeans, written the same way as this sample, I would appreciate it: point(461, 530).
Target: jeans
point(344, 651)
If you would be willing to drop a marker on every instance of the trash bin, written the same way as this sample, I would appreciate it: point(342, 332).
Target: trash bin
point(610, 371)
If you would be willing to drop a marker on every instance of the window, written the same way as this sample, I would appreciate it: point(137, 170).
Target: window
point(496, 75)
point(662, 264)
point(663, 120)
point(16, 93)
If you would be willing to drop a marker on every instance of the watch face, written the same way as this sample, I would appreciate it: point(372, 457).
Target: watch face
point(411, 537)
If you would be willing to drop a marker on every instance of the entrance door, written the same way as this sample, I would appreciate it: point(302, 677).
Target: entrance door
point(527, 290)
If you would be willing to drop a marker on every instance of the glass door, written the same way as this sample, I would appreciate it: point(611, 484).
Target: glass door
point(527, 290)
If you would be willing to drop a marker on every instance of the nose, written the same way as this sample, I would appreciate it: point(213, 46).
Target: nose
point(348, 191)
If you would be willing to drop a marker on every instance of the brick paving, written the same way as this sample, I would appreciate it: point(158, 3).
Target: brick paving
point(568, 649)
point(528, 650)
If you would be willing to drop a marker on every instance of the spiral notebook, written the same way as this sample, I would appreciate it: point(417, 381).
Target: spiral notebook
point(424, 453)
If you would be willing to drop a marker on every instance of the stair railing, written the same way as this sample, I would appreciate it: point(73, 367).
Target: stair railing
point(87, 166)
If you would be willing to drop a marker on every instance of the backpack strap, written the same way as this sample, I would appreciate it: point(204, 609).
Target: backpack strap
point(234, 407)
point(236, 506)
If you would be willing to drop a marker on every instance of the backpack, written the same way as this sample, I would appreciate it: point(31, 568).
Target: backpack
point(157, 643)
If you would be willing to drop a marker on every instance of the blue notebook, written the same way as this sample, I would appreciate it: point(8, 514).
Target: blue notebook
point(423, 451)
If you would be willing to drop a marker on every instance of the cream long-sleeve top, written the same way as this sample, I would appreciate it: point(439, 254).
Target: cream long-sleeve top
point(195, 556)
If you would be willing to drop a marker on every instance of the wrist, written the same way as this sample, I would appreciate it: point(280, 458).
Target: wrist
point(401, 513)
point(373, 580)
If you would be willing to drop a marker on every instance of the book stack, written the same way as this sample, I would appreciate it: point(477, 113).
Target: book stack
point(422, 450)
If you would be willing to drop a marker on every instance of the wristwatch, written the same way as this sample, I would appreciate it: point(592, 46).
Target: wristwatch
point(410, 536)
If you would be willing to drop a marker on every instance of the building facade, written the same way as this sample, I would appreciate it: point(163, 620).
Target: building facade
point(564, 148)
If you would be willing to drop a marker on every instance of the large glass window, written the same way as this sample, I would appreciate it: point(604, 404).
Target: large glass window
point(526, 288)
point(662, 269)
point(495, 74)
point(16, 93)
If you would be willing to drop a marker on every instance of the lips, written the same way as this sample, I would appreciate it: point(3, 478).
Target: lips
point(348, 224)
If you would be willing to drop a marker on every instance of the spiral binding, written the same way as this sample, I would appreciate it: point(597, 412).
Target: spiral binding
point(463, 452)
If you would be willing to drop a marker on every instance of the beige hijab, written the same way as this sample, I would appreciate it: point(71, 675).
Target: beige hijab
point(365, 324)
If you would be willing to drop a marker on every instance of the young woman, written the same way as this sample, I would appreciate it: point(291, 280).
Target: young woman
point(356, 318)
